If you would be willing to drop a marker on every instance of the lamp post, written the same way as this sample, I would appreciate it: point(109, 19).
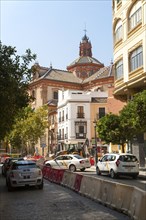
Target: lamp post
point(50, 141)
point(96, 151)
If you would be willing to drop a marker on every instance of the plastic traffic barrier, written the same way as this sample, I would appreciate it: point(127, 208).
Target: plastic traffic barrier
point(124, 198)
point(51, 174)
point(77, 182)
point(56, 175)
point(59, 176)
point(46, 171)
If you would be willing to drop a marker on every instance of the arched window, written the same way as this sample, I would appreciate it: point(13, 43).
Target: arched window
point(135, 15)
point(118, 31)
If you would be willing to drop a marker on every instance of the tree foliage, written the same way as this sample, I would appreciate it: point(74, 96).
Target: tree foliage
point(133, 115)
point(29, 126)
point(140, 108)
point(108, 128)
point(15, 75)
point(119, 129)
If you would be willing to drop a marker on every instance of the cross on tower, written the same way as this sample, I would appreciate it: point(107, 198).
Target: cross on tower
point(85, 29)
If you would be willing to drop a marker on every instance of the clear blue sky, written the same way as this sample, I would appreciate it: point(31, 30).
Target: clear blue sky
point(54, 29)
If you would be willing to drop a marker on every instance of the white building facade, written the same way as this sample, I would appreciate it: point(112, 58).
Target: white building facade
point(75, 116)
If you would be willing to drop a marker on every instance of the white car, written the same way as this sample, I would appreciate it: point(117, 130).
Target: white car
point(24, 173)
point(69, 161)
point(118, 164)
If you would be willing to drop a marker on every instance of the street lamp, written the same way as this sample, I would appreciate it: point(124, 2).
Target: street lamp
point(96, 151)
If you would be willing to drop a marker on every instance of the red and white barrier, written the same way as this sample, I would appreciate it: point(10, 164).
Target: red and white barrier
point(124, 198)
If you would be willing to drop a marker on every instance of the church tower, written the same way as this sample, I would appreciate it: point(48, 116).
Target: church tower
point(85, 47)
point(85, 65)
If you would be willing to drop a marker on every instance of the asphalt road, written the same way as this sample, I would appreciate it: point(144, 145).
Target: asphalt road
point(54, 202)
point(140, 182)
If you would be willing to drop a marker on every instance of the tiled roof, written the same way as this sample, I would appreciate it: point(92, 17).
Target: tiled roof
point(61, 75)
point(102, 73)
point(85, 59)
point(69, 77)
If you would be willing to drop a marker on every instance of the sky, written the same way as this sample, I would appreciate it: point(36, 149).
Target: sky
point(53, 29)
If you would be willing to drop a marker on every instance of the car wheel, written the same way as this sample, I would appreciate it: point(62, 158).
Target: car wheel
point(112, 174)
point(41, 185)
point(10, 188)
point(83, 169)
point(72, 168)
point(98, 171)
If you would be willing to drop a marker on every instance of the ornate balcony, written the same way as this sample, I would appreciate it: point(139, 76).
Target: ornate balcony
point(80, 115)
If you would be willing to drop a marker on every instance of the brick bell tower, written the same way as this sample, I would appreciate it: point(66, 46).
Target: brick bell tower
point(85, 47)
point(85, 65)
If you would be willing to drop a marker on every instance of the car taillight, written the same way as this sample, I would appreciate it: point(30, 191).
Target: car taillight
point(117, 162)
point(81, 161)
point(11, 174)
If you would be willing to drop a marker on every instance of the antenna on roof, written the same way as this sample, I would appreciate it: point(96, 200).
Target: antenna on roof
point(50, 65)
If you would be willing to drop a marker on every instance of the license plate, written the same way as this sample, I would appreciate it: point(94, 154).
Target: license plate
point(26, 177)
point(26, 174)
point(129, 168)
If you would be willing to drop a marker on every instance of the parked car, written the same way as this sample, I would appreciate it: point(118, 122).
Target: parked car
point(7, 163)
point(69, 161)
point(24, 173)
point(118, 164)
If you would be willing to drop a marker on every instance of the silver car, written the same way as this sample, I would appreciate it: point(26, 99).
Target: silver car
point(24, 173)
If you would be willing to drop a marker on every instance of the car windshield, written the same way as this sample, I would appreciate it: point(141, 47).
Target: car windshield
point(13, 159)
point(128, 158)
point(23, 166)
point(78, 157)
